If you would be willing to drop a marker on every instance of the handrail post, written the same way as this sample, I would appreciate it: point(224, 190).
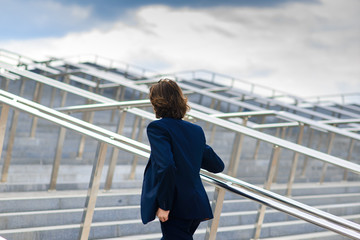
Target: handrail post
point(311, 135)
point(136, 123)
point(114, 155)
point(87, 117)
point(3, 121)
point(6, 165)
point(217, 204)
point(351, 148)
point(5, 83)
point(64, 93)
point(53, 93)
point(37, 98)
point(257, 146)
point(270, 176)
point(330, 145)
point(136, 157)
point(116, 97)
point(93, 191)
point(55, 169)
point(283, 134)
point(236, 152)
point(212, 136)
point(295, 161)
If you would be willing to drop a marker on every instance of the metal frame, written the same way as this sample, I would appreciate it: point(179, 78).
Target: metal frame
point(128, 144)
point(98, 163)
point(333, 224)
point(276, 201)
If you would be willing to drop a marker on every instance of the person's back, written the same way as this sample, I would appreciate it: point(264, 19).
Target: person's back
point(172, 187)
point(188, 145)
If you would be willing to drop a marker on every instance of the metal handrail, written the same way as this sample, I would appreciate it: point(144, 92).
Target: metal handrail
point(124, 82)
point(111, 62)
point(268, 100)
point(341, 96)
point(53, 83)
point(240, 129)
point(16, 57)
point(274, 92)
point(112, 77)
point(234, 80)
point(201, 117)
point(98, 164)
point(279, 142)
point(282, 199)
point(96, 57)
point(330, 222)
point(318, 125)
point(283, 204)
point(57, 120)
point(65, 117)
point(77, 122)
point(329, 128)
point(257, 108)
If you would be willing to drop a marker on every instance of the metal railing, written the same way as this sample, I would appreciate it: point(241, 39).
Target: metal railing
point(212, 77)
point(335, 98)
point(263, 103)
point(223, 79)
point(275, 201)
point(193, 114)
point(300, 121)
point(126, 83)
point(240, 131)
point(258, 90)
point(223, 182)
point(104, 141)
point(267, 101)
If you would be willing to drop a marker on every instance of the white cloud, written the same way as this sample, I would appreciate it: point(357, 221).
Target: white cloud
point(304, 49)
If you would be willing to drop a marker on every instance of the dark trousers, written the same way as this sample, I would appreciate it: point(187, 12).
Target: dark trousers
point(179, 229)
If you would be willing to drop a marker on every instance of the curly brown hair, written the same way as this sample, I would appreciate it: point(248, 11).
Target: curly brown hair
point(168, 100)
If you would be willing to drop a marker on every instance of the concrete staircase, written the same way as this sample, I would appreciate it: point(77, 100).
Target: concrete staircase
point(56, 215)
point(29, 211)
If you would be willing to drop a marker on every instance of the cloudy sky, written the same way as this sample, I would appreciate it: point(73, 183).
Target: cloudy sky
point(305, 47)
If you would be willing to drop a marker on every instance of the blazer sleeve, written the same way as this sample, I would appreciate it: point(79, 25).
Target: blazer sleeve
point(211, 161)
point(162, 156)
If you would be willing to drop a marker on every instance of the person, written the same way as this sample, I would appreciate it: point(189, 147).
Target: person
point(172, 189)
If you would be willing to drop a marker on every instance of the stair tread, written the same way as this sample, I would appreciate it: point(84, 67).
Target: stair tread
point(137, 206)
point(305, 236)
point(135, 221)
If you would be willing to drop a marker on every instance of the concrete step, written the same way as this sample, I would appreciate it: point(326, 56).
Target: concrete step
point(306, 193)
point(199, 235)
point(313, 236)
point(126, 228)
point(29, 219)
point(78, 171)
point(68, 173)
point(275, 230)
point(60, 200)
point(303, 189)
point(61, 212)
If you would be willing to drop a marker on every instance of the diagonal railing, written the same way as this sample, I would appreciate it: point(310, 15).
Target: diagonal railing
point(103, 141)
point(277, 144)
point(221, 181)
point(203, 117)
point(300, 121)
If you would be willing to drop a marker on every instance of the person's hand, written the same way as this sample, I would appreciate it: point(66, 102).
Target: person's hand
point(163, 215)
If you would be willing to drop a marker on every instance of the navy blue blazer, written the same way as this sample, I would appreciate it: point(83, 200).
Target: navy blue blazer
point(171, 178)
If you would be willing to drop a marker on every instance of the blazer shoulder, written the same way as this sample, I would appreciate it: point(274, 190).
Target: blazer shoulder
point(156, 124)
point(193, 125)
